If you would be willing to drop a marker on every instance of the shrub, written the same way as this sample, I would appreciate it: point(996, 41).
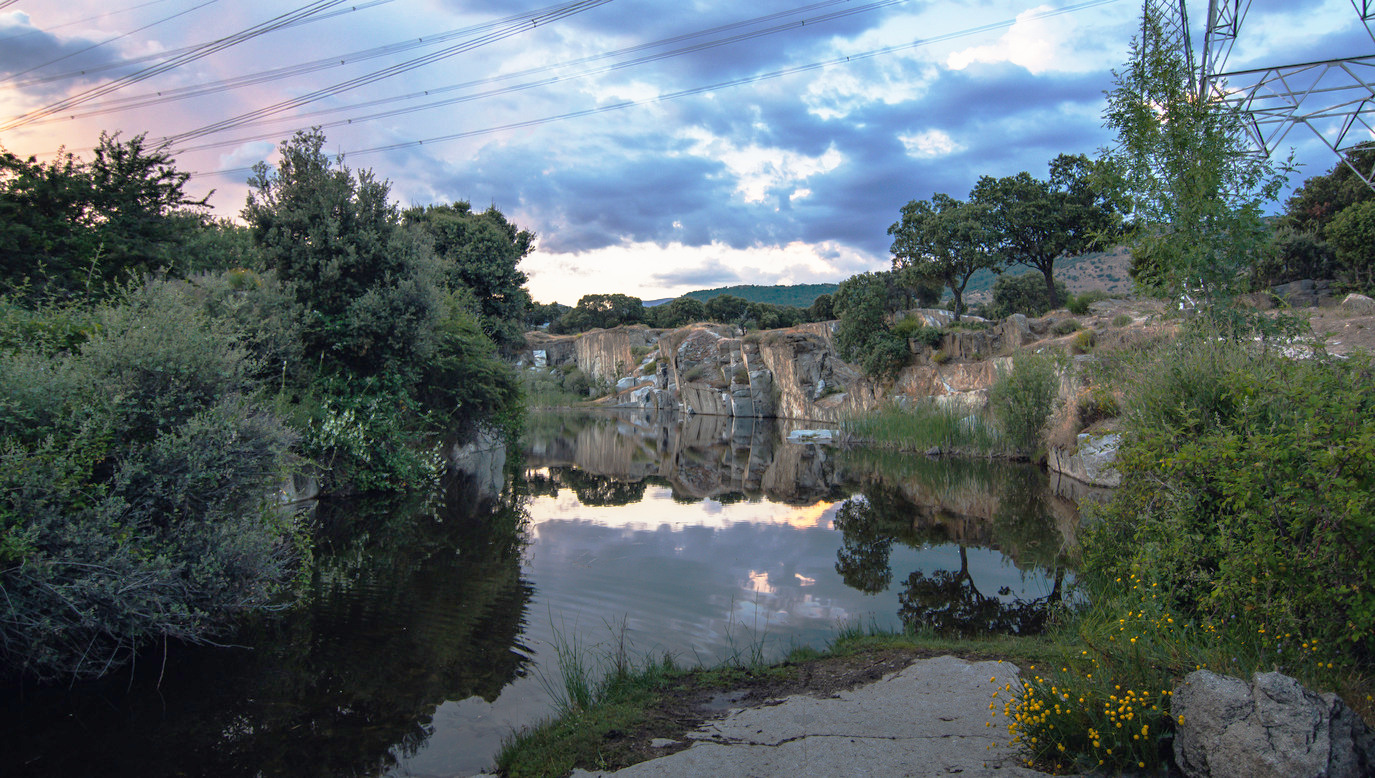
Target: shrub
point(1121, 320)
point(1023, 398)
point(941, 356)
point(1065, 327)
point(913, 328)
point(1248, 492)
point(1083, 342)
point(1025, 293)
point(136, 477)
point(1096, 404)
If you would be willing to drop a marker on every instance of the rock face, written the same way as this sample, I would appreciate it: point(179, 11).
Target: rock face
point(1091, 462)
point(1272, 726)
point(1304, 293)
point(791, 373)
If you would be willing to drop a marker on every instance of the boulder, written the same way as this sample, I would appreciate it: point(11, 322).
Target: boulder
point(1092, 461)
point(1272, 726)
point(1358, 304)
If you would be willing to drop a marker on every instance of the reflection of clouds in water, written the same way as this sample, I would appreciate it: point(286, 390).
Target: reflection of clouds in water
point(658, 509)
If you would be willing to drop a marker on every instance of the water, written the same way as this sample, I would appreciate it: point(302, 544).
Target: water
point(428, 629)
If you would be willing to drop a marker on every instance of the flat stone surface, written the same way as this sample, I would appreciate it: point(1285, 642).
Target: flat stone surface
point(930, 719)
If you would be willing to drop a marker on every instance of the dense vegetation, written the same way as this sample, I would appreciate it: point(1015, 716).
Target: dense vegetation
point(162, 371)
point(791, 296)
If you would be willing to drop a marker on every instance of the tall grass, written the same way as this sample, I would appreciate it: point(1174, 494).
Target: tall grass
point(926, 425)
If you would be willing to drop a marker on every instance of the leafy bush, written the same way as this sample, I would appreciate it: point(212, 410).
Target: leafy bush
point(1025, 293)
point(1083, 342)
point(1079, 304)
point(1023, 398)
point(912, 328)
point(136, 476)
point(1065, 327)
point(1121, 320)
point(1248, 492)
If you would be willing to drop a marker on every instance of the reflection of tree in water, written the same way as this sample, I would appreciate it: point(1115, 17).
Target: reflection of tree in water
point(948, 600)
point(598, 490)
point(406, 610)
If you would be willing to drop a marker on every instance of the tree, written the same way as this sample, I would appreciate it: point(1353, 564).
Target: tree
point(680, 312)
point(1192, 187)
point(337, 243)
point(480, 251)
point(1039, 221)
point(1352, 235)
point(864, 303)
point(821, 309)
point(1021, 294)
point(602, 311)
point(727, 308)
point(945, 240)
point(71, 227)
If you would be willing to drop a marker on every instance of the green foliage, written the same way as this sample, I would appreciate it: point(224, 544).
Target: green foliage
point(1248, 491)
point(793, 296)
point(863, 304)
point(922, 426)
point(335, 240)
point(1065, 327)
point(466, 382)
point(913, 328)
point(1122, 320)
point(600, 311)
point(679, 313)
point(1084, 341)
point(480, 252)
point(1194, 189)
point(1037, 222)
point(69, 227)
point(1023, 398)
point(822, 309)
point(1024, 294)
point(1352, 235)
point(136, 475)
point(945, 240)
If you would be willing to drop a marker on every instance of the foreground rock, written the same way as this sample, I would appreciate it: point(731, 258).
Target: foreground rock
point(1271, 727)
point(929, 719)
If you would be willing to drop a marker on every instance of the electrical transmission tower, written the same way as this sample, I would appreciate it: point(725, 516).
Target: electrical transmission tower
point(1333, 98)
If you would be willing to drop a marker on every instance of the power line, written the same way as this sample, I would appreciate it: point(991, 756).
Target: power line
point(742, 81)
point(558, 13)
point(275, 23)
point(75, 22)
point(545, 81)
point(93, 46)
point(265, 76)
point(123, 63)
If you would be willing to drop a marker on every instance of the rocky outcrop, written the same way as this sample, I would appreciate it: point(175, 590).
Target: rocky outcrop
point(1270, 728)
point(483, 458)
point(1304, 293)
point(1358, 305)
point(1090, 461)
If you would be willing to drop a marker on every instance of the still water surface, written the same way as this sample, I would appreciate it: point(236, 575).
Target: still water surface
point(429, 625)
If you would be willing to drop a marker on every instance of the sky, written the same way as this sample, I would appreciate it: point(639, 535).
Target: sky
point(654, 147)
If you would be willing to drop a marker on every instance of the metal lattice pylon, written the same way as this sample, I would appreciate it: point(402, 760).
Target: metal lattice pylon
point(1333, 98)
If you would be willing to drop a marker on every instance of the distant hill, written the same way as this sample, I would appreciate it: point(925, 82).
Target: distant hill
point(797, 295)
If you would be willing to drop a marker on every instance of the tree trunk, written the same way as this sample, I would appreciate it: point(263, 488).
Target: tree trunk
point(1050, 286)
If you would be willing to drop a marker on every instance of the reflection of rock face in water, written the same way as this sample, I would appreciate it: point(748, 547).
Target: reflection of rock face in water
point(699, 456)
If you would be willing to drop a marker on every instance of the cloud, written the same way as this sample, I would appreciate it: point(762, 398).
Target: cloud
point(931, 143)
point(1038, 44)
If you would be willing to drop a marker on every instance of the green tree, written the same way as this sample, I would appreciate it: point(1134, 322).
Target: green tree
point(70, 227)
point(1192, 187)
point(337, 242)
point(481, 252)
point(945, 240)
point(602, 311)
point(680, 312)
point(821, 309)
point(1021, 294)
point(1352, 235)
point(864, 303)
point(727, 308)
point(1038, 222)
